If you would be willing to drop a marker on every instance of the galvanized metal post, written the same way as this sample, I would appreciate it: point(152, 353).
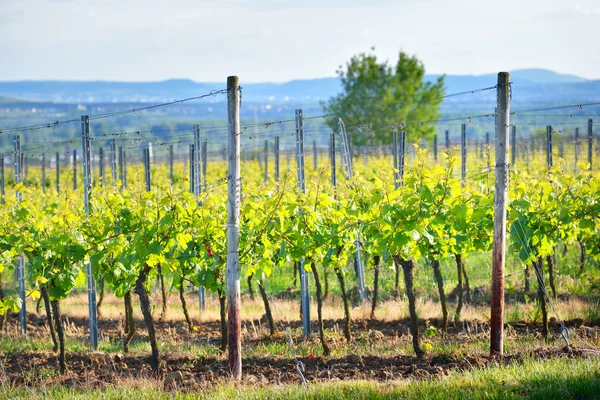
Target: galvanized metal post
point(87, 187)
point(101, 165)
point(346, 155)
point(396, 168)
point(435, 148)
point(332, 159)
point(196, 161)
point(304, 289)
point(402, 156)
point(20, 259)
point(359, 267)
point(590, 138)
point(191, 162)
point(147, 169)
point(463, 146)
point(276, 158)
point(204, 159)
point(195, 171)
point(113, 161)
point(447, 140)
point(549, 146)
point(346, 152)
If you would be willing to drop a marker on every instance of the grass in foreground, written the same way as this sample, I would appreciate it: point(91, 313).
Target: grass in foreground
point(533, 379)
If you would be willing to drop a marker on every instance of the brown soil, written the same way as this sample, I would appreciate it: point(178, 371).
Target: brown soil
point(98, 370)
point(182, 372)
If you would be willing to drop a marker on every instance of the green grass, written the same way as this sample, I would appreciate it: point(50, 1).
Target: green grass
point(533, 379)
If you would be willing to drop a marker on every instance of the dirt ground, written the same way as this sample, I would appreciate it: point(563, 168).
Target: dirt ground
point(184, 372)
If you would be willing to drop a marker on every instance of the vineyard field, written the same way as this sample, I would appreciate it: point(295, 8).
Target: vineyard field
point(423, 320)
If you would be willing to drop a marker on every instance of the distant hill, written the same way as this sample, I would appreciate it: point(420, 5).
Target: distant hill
point(530, 86)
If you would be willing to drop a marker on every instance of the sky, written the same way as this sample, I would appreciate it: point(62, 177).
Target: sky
point(283, 40)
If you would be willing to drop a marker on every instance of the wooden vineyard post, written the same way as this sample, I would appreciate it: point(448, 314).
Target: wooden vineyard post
point(500, 198)
point(233, 229)
point(304, 289)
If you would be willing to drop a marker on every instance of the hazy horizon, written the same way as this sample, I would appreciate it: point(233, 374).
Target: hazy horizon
point(270, 82)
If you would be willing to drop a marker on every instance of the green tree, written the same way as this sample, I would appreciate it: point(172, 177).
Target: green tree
point(376, 95)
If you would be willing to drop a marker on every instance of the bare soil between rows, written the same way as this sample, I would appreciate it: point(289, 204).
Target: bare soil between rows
point(101, 370)
point(190, 373)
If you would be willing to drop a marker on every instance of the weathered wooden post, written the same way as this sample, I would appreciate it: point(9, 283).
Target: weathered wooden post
point(233, 229)
point(500, 199)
